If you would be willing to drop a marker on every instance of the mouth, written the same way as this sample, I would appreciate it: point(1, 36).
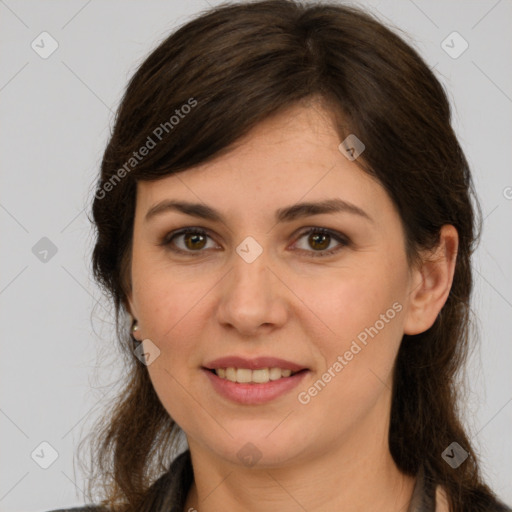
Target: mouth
point(253, 381)
point(248, 376)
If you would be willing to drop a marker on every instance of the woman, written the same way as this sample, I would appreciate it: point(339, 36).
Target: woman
point(284, 220)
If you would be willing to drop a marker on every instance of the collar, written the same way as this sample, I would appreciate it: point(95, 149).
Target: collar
point(423, 496)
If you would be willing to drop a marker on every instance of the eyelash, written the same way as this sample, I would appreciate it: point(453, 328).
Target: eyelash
point(168, 240)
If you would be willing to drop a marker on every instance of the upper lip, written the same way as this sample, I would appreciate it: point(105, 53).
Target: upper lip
point(255, 363)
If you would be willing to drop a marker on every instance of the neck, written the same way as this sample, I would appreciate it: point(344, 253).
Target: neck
point(356, 475)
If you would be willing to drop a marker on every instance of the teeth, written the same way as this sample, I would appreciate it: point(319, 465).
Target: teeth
point(231, 374)
point(244, 375)
point(260, 376)
point(275, 373)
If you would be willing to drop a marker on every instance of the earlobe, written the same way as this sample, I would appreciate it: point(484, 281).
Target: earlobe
point(132, 311)
point(134, 326)
point(431, 283)
point(134, 330)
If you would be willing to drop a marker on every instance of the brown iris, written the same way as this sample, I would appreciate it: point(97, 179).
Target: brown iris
point(319, 241)
point(194, 240)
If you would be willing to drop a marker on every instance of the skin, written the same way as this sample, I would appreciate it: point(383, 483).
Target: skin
point(328, 454)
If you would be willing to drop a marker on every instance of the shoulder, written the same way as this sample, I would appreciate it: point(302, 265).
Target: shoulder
point(443, 506)
point(501, 507)
point(85, 508)
point(171, 487)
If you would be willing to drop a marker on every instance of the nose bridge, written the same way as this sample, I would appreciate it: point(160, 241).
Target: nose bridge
point(250, 279)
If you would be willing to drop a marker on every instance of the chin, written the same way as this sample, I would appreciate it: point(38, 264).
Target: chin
point(259, 450)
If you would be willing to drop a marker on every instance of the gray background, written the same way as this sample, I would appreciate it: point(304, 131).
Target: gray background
point(57, 357)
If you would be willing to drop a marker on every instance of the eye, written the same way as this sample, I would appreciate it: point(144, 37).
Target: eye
point(320, 240)
point(193, 240)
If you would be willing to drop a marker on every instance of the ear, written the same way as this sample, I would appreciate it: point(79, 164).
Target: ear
point(130, 308)
point(431, 282)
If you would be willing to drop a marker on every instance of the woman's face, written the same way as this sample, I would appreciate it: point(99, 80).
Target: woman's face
point(264, 283)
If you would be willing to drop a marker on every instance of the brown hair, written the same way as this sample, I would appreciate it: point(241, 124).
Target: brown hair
point(240, 64)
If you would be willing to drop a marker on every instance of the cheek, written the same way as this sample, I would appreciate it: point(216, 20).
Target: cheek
point(173, 319)
point(356, 300)
point(169, 305)
point(364, 314)
point(167, 298)
point(364, 311)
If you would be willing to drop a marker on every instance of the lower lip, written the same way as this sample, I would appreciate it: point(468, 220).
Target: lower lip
point(254, 394)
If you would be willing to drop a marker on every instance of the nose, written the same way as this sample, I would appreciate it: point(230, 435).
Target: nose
point(252, 298)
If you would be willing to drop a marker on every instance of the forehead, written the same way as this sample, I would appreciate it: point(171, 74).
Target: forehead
point(288, 158)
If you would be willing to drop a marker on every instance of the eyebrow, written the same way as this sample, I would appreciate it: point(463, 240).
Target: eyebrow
point(287, 214)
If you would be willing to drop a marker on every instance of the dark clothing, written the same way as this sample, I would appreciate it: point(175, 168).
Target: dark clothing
point(169, 492)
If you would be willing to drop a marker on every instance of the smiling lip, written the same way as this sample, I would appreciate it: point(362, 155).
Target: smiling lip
point(253, 364)
point(253, 393)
